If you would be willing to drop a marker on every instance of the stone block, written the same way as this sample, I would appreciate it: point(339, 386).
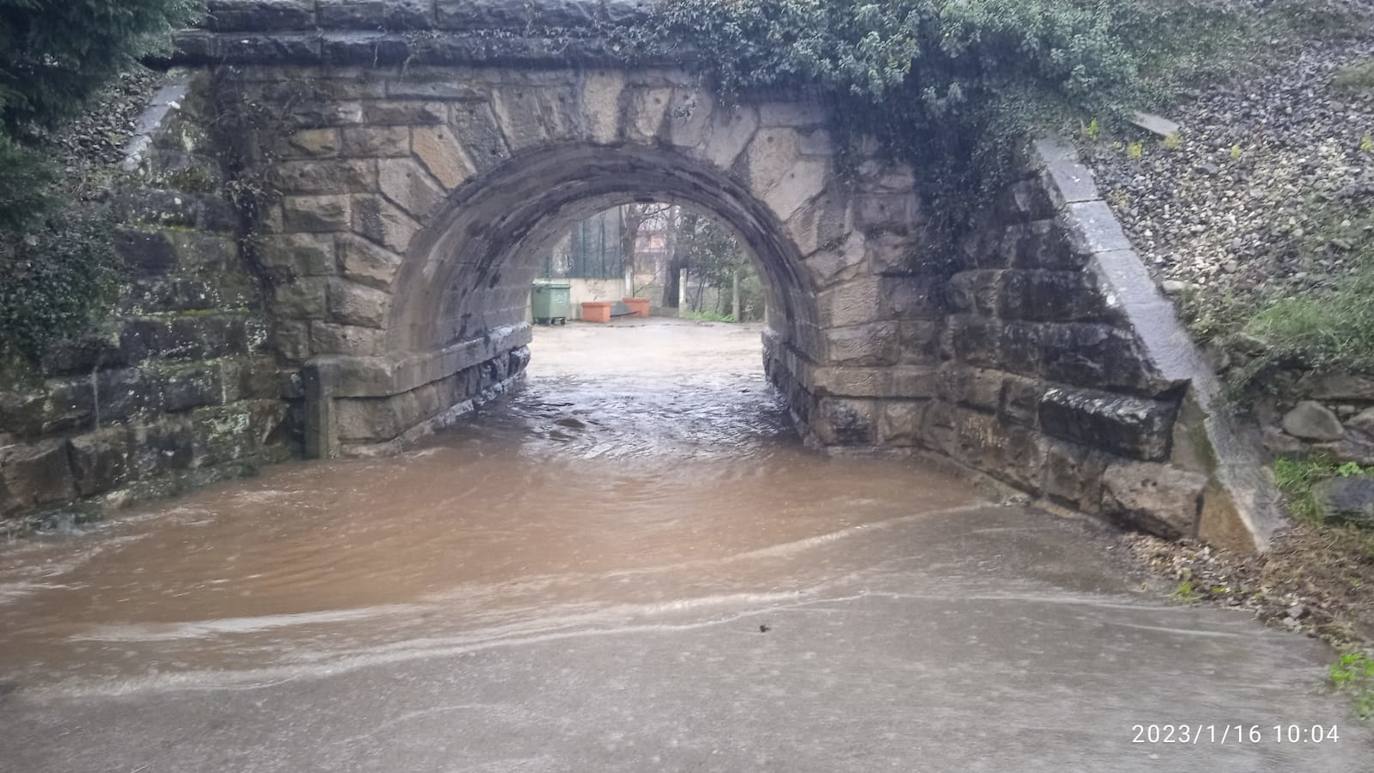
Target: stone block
point(1058, 296)
point(316, 176)
point(376, 141)
point(82, 355)
point(438, 149)
point(732, 130)
point(126, 392)
point(403, 112)
point(1096, 355)
point(316, 213)
point(478, 133)
point(1024, 201)
point(1347, 500)
point(845, 422)
point(1310, 420)
point(409, 187)
point(146, 253)
point(1337, 386)
point(1156, 498)
point(852, 303)
point(291, 339)
point(689, 116)
point(900, 422)
point(1126, 426)
point(383, 223)
point(1020, 347)
point(1021, 400)
point(329, 338)
point(974, 340)
point(1041, 244)
point(354, 304)
point(897, 212)
point(366, 263)
point(837, 263)
point(186, 388)
point(975, 291)
point(489, 14)
point(824, 222)
point(915, 296)
point(375, 14)
point(871, 344)
point(601, 91)
point(34, 474)
point(68, 405)
point(803, 181)
point(1072, 475)
point(100, 461)
point(303, 298)
point(261, 15)
point(313, 143)
point(645, 111)
point(977, 388)
point(297, 255)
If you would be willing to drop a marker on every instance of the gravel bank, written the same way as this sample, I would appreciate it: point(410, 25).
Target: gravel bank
point(1240, 205)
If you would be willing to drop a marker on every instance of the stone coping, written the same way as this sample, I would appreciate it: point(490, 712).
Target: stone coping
point(352, 376)
point(416, 15)
point(1230, 449)
point(383, 32)
point(168, 98)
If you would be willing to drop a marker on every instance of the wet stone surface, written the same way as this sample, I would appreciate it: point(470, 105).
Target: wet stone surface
point(630, 564)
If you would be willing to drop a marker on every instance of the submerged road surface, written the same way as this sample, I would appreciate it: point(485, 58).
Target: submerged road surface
point(630, 565)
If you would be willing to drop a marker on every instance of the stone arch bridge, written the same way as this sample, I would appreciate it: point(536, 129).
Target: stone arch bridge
point(421, 151)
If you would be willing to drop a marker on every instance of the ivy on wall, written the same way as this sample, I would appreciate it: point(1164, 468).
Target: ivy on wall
point(953, 86)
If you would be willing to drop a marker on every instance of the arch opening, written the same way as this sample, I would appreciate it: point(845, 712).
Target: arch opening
point(457, 331)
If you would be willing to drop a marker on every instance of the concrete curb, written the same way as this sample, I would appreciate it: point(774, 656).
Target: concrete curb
point(1240, 506)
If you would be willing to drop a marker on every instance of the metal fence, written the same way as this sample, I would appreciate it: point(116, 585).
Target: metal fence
point(593, 250)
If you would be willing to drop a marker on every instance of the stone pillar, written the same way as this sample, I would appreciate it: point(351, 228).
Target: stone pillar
point(321, 426)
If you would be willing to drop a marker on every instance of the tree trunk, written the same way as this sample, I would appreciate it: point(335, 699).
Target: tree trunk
point(734, 295)
point(677, 263)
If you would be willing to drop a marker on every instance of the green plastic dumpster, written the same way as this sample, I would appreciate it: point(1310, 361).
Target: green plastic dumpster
point(551, 302)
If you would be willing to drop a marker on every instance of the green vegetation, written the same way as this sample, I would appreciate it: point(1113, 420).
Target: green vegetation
point(1328, 324)
point(55, 252)
point(1297, 477)
point(1357, 77)
point(705, 316)
point(953, 86)
point(1185, 592)
point(1353, 675)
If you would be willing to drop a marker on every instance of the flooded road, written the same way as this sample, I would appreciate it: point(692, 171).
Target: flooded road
point(630, 564)
point(642, 464)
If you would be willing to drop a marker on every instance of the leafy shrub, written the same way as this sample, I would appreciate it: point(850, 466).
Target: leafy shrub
point(954, 86)
point(57, 277)
point(56, 263)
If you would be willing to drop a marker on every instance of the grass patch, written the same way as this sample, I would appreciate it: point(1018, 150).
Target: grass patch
point(1356, 77)
point(1326, 323)
point(1296, 478)
point(1331, 327)
point(1353, 675)
point(705, 316)
point(1185, 593)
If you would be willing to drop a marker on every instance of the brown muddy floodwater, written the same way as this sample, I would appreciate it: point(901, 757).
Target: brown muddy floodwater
point(644, 467)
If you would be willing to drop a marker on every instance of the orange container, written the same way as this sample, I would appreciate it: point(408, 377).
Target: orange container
point(596, 311)
point(639, 307)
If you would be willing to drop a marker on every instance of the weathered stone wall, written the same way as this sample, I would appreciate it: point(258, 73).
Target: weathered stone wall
point(1065, 374)
point(415, 203)
point(178, 388)
point(418, 168)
